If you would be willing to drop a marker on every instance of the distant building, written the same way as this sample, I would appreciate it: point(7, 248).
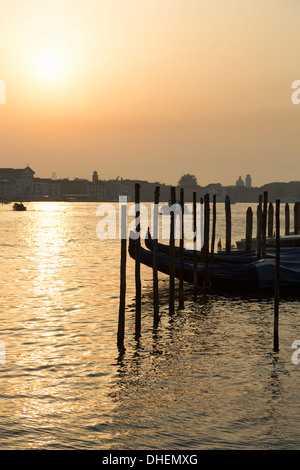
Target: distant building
point(216, 189)
point(240, 182)
point(248, 181)
point(41, 187)
point(17, 183)
point(77, 189)
point(95, 177)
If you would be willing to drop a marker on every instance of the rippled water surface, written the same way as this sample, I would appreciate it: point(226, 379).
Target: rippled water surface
point(207, 378)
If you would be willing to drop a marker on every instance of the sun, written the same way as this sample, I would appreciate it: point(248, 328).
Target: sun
point(49, 64)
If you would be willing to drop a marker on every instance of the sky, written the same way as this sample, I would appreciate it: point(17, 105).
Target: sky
point(151, 89)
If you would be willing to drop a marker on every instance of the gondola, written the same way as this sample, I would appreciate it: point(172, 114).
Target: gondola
point(233, 258)
point(258, 275)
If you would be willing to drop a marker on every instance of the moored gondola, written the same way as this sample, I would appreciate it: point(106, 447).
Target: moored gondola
point(247, 276)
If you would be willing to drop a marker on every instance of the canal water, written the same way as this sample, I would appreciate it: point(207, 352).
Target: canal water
point(206, 378)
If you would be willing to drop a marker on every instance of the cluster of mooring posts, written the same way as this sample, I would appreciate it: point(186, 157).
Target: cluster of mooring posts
point(265, 228)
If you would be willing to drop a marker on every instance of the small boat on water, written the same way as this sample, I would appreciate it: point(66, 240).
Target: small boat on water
point(234, 273)
point(19, 206)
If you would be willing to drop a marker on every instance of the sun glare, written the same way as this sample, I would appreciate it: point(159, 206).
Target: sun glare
point(49, 65)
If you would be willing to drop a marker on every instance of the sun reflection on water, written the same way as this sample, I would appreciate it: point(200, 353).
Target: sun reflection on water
point(47, 240)
point(56, 336)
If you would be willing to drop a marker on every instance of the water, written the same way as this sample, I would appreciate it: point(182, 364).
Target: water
point(207, 378)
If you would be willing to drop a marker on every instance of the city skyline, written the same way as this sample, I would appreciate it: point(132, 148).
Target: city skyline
point(89, 177)
point(241, 180)
point(22, 184)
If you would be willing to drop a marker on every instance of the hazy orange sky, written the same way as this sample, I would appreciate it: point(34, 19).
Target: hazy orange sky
point(151, 89)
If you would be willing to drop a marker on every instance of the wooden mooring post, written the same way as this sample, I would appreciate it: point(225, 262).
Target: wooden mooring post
point(259, 227)
point(121, 321)
point(195, 274)
point(201, 223)
point(138, 287)
point(249, 228)
point(287, 219)
point(277, 279)
point(213, 234)
point(297, 218)
point(172, 254)
point(228, 225)
point(264, 225)
point(155, 256)
point(206, 240)
point(270, 220)
point(181, 283)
